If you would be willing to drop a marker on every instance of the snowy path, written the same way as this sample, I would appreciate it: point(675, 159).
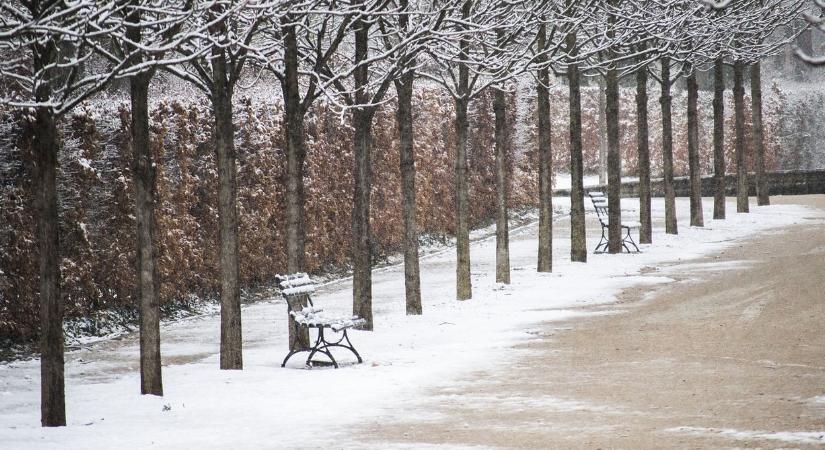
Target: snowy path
point(269, 407)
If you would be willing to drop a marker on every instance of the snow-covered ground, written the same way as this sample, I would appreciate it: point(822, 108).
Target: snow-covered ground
point(265, 406)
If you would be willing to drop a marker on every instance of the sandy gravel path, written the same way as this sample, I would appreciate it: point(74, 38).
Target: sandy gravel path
point(732, 355)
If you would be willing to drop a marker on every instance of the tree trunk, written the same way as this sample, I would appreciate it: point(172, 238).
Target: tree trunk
point(667, 149)
point(502, 229)
point(545, 257)
point(46, 146)
point(643, 148)
point(614, 163)
point(361, 234)
point(52, 391)
point(741, 162)
point(578, 238)
point(231, 342)
point(144, 179)
point(464, 289)
point(404, 117)
point(295, 155)
point(719, 139)
point(762, 194)
point(143, 173)
point(603, 134)
point(696, 216)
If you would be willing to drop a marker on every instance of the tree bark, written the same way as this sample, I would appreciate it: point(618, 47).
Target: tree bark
point(578, 239)
point(361, 233)
point(762, 188)
point(502, 227)
point(231, 342)
point(463, 282)
point(404, 117)
point(719, 139)
point(604, 146)
point(52, 390)
point(46, 146)
point(667, 149)
point(614, 163)
point(741, 162)
point(144, 178)
point(464, 288)
point(643, 148)
point(545, 256)
point(295, 155)
point(696, 216)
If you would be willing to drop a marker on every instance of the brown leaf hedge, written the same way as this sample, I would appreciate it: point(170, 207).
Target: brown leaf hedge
point(97, 226)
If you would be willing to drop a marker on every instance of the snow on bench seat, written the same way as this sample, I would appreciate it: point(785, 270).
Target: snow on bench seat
point(314, 317)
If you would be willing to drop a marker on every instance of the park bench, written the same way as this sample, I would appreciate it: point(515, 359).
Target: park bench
point(297, 290)
point(600, 205)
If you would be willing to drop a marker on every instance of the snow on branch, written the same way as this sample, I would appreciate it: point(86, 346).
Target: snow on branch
point(47, 60)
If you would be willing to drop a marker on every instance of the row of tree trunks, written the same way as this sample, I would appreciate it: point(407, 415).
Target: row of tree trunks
point(545, 251)
point(696, 216)
point(667, 149)
point(719, 139)
point(502, 226)
point(643, 148)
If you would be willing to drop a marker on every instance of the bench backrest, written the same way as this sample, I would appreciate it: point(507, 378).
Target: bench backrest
point(296, 290)
point(600, 205)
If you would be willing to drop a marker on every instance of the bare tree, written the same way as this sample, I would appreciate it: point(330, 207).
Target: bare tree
point(421, 19)
point(303, 39)
point(465, 62)
point(360, 85)
point(140, 34)
point(215, 63)
point(45, 75)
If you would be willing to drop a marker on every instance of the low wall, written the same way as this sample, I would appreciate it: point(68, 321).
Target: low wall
point(788, 182)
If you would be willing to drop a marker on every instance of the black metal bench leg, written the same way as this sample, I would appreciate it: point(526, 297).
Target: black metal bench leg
point(602, 243)
point(321, 346)
point(629, 239)
point(283, 364)
point(351, 348)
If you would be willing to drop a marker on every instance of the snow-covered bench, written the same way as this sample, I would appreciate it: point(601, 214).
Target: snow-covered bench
point(297, 290)
point(600, 205)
